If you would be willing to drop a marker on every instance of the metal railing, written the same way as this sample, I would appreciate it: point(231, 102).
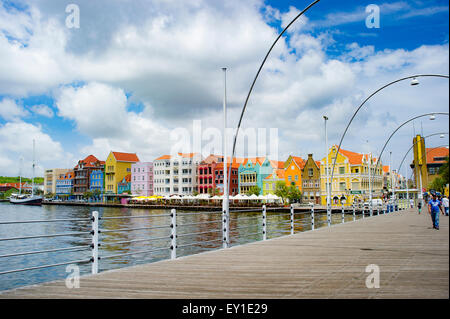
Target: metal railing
point(265, 224)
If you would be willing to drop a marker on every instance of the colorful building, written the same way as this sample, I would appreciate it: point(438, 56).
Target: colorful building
point(253, 172)
point(96, 180)
point(64, 184)
point(142, 178)
point(117, 167)
point(176, 174)
point(50, 177)
point(210, 175)
point(311, 181)
point(293, 167)
point(124, 186)
point(351, 177)
point(270, 182)
point(83, 172)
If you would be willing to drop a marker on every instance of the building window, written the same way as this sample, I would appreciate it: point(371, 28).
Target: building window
point(310, 172)
point(342, 170)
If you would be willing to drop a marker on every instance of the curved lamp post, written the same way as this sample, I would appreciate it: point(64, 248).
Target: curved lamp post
point(426, 153)
point(395, 131)
point(414, 82)
point(415, 142)
point(246, 101)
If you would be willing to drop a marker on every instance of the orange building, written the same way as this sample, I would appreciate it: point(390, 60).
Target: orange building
point(293, 167)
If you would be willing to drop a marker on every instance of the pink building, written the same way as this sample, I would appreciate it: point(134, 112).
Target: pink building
point(142, 178)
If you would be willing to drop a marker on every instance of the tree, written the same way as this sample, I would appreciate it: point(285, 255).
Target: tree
point(194, 193)
point(437, 184)
point(213, 191)
point(254, 190)
point(443, 171)
point(281, 190)
point(294, 194)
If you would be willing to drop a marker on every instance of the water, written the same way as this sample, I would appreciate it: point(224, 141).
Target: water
point(245, 227)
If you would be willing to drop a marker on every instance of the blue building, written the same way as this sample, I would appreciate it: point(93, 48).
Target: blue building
point(253, 172)
point(96, 181)
point(124, 185)
point(64, 184)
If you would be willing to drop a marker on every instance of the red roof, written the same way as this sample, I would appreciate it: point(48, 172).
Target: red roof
point(436, 155)
point(126, 157)
point(90, 161)
point(353, 158)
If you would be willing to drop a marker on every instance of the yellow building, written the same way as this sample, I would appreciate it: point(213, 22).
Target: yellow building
point(117, 166)
point(270, 182)
point(293, 171)
point(350, 178)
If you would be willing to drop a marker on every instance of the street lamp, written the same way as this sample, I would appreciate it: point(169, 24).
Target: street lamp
point(327, 169)
point(432, 117)
point(413, 82)
point(253, 84)
point(404, 123)
point(225, 197)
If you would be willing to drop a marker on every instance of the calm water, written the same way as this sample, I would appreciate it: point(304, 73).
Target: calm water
point(242, 231)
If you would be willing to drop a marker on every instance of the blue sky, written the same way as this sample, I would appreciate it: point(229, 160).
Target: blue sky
point(134, 71)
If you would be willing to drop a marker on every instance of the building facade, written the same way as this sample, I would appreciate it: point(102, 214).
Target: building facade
point(311, 181)
point(97, 180)
point(64, 184)
point(82, 172)
point(124, 186)
point(351, 183)
point(50, 177)
point(142, 178)
point(176, 174)
point(210, 175)
point(293, 167)
point(270, 182)
point(117, 166)
point(253, 172)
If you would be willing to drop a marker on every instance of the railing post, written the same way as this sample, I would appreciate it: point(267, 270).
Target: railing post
point(370, 209)
point(378, 210)
point(264, 222)
point(354, 212)
point(384, 209)
point(94, 245)
point(292, 219)
point(225, 240)
point(343, 214)
point(329, 209)
point(173, 235)
point(312, 216)
point(363, 212)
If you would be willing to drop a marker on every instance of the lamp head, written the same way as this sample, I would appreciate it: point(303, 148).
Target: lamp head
point(325, 118)
point(432, 117)
point(414, 81)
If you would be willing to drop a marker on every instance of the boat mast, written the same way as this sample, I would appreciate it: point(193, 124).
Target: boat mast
point(32, 179)
point(20, 175)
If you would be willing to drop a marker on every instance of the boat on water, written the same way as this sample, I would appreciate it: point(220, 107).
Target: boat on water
point(25, 199)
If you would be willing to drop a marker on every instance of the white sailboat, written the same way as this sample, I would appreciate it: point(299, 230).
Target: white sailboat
point(26, 199)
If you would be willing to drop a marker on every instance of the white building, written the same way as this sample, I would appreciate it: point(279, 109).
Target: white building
point(175, 175)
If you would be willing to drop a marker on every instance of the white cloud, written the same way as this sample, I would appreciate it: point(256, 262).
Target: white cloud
point(10, 111)
point(168, 55)
point(43, 110)
point(16, 140)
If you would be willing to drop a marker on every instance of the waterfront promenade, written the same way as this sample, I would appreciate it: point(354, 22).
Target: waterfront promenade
point(330, 262)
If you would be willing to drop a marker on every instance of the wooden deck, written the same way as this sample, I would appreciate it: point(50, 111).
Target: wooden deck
point(326, 263)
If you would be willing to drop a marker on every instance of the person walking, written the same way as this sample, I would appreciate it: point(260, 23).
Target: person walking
point(419, 206)
point(434, 206)
point(445, 204)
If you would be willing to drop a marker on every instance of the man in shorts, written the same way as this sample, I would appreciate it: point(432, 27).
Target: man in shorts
point(434, 206)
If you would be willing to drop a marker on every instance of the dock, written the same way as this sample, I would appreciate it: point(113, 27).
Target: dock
point(329, 262)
